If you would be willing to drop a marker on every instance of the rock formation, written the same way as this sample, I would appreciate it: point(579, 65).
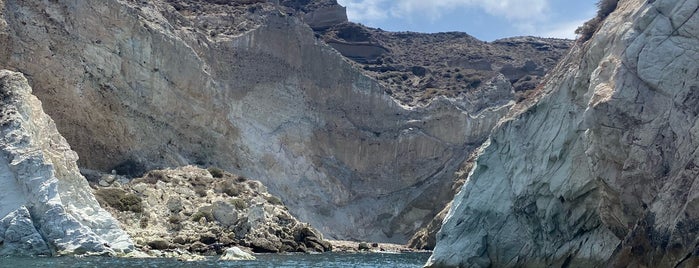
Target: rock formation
point(601, 170)
point(46, 206)
point(247, 86)
point(416, 67)
point(236, 254)
point(187, 208)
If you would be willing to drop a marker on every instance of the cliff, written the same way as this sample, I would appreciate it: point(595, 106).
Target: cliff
point(601, 170)
point(246, 86)
point(46, 207)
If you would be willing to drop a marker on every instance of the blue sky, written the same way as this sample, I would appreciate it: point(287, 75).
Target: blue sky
point(485, 19)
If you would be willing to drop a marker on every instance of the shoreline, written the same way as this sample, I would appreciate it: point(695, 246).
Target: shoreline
point(372, 247)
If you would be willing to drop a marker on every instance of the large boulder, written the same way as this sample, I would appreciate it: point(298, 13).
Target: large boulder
point(236, 254)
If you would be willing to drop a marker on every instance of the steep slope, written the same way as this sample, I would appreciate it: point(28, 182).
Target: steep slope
point(136, 85)
point(46, 206)
point(601, 171)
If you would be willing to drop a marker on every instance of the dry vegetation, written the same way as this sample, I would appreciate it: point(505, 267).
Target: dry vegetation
point(605, 7)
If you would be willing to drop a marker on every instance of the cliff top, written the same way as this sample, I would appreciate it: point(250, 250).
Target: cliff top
point(414, 67)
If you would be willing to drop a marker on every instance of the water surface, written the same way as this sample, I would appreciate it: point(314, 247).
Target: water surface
point(263, 260)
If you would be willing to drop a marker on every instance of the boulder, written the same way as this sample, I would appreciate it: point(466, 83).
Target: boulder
point(236, 254)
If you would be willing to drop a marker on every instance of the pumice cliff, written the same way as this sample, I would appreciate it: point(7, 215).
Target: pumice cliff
point(248, 86)
point(602, 170)
point(135, 85)
point(46, 206)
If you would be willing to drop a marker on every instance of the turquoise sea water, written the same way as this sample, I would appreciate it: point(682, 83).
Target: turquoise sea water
point(264, 260)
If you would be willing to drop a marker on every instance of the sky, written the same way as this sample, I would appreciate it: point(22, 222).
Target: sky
point(485, 19)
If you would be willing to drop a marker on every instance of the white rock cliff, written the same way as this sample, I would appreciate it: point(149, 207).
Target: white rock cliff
point(46, 206)
point(134, 85)
point(602, 170)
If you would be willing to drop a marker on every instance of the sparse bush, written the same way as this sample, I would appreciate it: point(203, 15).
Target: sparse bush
point(203, 213)
point(231, 189)
point(274, 200)
point(200, 190)
point(604, 8)
point(143, 223)
point(119, 199)
point(174, 219)
point(238, 203)
point(216, 172)
point(152, 177)
point(130, 168)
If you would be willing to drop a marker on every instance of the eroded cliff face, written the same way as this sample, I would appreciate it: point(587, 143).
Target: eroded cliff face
point(46, 206)
point(601, 171)
point(138, 85)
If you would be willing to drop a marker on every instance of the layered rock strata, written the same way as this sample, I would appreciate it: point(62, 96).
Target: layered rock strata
point(46, 206)
point(189, 209)
point(601, 171)
point(136, 85)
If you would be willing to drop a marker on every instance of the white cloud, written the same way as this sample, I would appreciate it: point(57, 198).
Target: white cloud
point(561, 30)
point(509, 9)
point(365, 10)
point(516, 10)
point(526, 17)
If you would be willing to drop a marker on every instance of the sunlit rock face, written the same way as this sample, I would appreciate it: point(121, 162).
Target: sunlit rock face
point(46, 206)
point(135, 85)
point(602, 170)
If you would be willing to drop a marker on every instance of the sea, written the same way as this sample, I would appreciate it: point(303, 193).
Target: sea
point(401, 260)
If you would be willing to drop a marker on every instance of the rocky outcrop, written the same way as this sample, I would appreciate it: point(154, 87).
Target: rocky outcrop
point(46, 207)
point(416, 68)
point(325, 17)
point(205, 212)
point(236, 254)
point(601, 171)
point(136, 85)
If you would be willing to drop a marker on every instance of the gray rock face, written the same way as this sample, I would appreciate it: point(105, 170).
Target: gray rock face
point(46, 207)
point(136, 85)
point(325, 17)
point(601, 171)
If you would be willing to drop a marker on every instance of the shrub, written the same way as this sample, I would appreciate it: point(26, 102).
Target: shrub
point(203, 212)
point(152, 177)
point(174, 219)
point(130, 168)
point(274, 200)
point(216, 172)
point(604, 8)
point(200, 190)
point(238, 203)
point(119, 199)
point(143, 223)
point(231, 189)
